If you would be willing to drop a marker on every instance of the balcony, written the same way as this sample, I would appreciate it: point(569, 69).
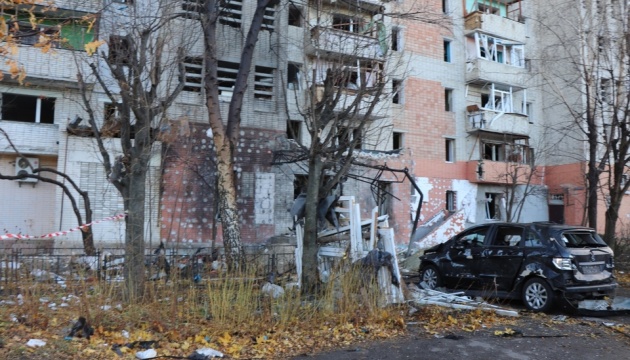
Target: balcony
point(348, 97)
point(481, 71)
point(499, 172)
point(334, 42)
point(496, 24)
point(57, 68)
point(31, 138)
point(500, 122)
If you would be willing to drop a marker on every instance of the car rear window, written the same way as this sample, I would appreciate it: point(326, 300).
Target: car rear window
point(581, 239)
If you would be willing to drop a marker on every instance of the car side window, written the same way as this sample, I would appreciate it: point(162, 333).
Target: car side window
point(508, 236)
point(532, 239)
point(475, 237)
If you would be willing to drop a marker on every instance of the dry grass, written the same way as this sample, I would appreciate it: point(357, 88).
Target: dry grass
point(227, 313)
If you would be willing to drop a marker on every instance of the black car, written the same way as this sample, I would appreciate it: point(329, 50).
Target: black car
point(537, 262)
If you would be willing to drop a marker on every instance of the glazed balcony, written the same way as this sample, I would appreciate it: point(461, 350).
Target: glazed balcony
point(23, 135)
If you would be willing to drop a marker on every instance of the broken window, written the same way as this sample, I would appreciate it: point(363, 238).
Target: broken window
point(231, 13)
point(397, 140)
point(501, 101)
point(508, 236)
point(269, 17)
point(26, 34)
point(347, 23)
point(294, 75)
point(352, 75)
point(293, 129)
point(397, 90)
point(488, 9)
point(447, 51)
point(450, 200)
point(295, 16)
point(499, 50)
point(300, 183)
point(347, 136)
point(192, 6)
point(110, 113)
point(448, 99)
point(450, 150)
point(384, 197)
point(494, 151)
point(27, 108)
point(493, 206)
point(396, 39)
point(226, 75)
point(119, 50)
point(263, 83)
point(193, 66)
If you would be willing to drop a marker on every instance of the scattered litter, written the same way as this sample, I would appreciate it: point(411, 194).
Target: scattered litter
point(507, 332)
point(125, 334)
point(273, 290)
point(559, 318)
point(81, 329)
point(106, 307)
point(205, 353)
point(35, 343)
point(594, 304)
point(146, 354)
point(421, 297)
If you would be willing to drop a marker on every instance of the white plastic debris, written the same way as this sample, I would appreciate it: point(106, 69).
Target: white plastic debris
point(209, 133)
point(274, 290)
point(119, 307)
point(146, 354)
point(106, 307)
point(125, 334)
point(35, 343)
point(209, 352)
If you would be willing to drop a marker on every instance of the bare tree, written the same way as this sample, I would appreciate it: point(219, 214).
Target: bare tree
point(141, 74)
point(343, 106)
point(584, 66)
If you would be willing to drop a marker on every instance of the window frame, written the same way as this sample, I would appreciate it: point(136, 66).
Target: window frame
point(38, 111)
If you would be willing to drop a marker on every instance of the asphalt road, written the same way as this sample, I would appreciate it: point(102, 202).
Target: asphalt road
point(557, 335)
point(581, 338)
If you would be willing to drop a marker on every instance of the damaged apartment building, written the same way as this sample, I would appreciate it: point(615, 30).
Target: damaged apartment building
point(465, 116)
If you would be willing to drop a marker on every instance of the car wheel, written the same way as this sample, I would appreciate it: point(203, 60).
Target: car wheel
point(431, 277)
point(537, 295)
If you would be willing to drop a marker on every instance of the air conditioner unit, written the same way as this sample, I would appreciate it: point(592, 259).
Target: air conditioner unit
point(22, 167)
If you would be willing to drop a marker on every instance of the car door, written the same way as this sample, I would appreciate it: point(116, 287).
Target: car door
point(501, 257)
point(460, 272)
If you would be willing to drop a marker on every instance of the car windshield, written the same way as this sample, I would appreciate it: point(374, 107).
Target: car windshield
point(580, 239)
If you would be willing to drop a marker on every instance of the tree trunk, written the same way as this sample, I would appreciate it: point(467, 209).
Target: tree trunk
point(234, 253)
point(134, 232)
point(310, 276)
point(612, 216)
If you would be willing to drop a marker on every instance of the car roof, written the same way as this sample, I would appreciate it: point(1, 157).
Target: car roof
point(539, 225)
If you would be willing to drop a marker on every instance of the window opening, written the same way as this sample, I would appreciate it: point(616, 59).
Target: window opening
point(269, 18)
point(396, 39)
point(493, 210)
point(27, 108)
point(193, 66)
point(397, 90)
point(397, 140)
point(450, 200)
point(295, 16)
point(294, 75)
point(119, 50)
point(448, 99)
point(231, 13)
point(450, 150)
point(263, 83)
point(447, 51)
point(294, 129)
point(347, 23)
point(226, 75)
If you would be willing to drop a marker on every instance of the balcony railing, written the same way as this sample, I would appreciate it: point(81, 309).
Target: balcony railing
point(498, 122)
point(335, 41)
point(495, 24)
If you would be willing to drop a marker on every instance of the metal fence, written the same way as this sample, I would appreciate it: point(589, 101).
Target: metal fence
point(68, 266)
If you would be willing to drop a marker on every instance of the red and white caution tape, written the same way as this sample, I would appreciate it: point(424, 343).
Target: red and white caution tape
point(59, 233)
